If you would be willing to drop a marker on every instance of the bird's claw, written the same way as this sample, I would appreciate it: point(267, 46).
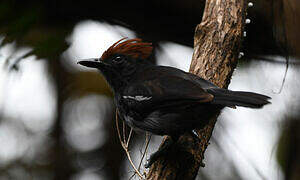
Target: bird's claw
point(148, 164)
point(161, 152)
point(150, 161)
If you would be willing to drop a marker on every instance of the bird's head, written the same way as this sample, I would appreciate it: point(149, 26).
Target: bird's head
point(120, 61)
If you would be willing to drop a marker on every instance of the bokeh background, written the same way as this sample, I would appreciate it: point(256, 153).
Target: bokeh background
point(57, 118)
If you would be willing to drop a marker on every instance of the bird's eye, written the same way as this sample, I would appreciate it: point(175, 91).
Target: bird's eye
point(117, 59)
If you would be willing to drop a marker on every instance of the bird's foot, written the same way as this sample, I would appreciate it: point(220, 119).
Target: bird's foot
point(161, 152)
point(154, 157)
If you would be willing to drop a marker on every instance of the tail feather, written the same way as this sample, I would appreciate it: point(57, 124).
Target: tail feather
point(239, 98)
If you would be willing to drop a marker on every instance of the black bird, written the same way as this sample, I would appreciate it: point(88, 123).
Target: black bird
point(159, 99)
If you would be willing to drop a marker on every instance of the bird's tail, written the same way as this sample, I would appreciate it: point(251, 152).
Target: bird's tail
point(239, 98)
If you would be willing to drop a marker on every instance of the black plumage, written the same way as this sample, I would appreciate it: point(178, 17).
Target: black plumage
point(159, 99)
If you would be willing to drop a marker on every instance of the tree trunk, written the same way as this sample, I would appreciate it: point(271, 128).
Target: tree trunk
point(216, 47)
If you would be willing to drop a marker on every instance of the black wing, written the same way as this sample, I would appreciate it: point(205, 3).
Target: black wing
point(163, 105)
point(167, 91)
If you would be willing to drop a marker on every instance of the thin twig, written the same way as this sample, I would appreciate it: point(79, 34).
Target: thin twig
point(130, 133)
point(148, 138)
point(147, 142)
point(124, 132)
point(118, 130)
point(125, 144)
point(146, 148)
point(131, 162)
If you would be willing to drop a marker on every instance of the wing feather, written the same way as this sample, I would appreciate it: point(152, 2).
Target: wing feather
point(170, 91)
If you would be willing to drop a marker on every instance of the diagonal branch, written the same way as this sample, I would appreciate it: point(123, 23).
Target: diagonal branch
point(217, 42)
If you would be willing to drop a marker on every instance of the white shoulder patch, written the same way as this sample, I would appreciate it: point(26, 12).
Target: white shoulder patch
point(137, 98)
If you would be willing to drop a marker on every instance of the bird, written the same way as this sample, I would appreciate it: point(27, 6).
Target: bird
point(162, 100)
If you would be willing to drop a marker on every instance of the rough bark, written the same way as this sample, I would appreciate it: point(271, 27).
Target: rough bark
point(217, 42)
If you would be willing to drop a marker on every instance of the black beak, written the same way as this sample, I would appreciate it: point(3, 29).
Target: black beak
point(92, 63)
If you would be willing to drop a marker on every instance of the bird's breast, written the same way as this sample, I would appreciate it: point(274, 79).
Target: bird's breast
point(127, 114)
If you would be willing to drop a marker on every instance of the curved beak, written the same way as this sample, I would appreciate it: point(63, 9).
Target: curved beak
point(92, 63)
